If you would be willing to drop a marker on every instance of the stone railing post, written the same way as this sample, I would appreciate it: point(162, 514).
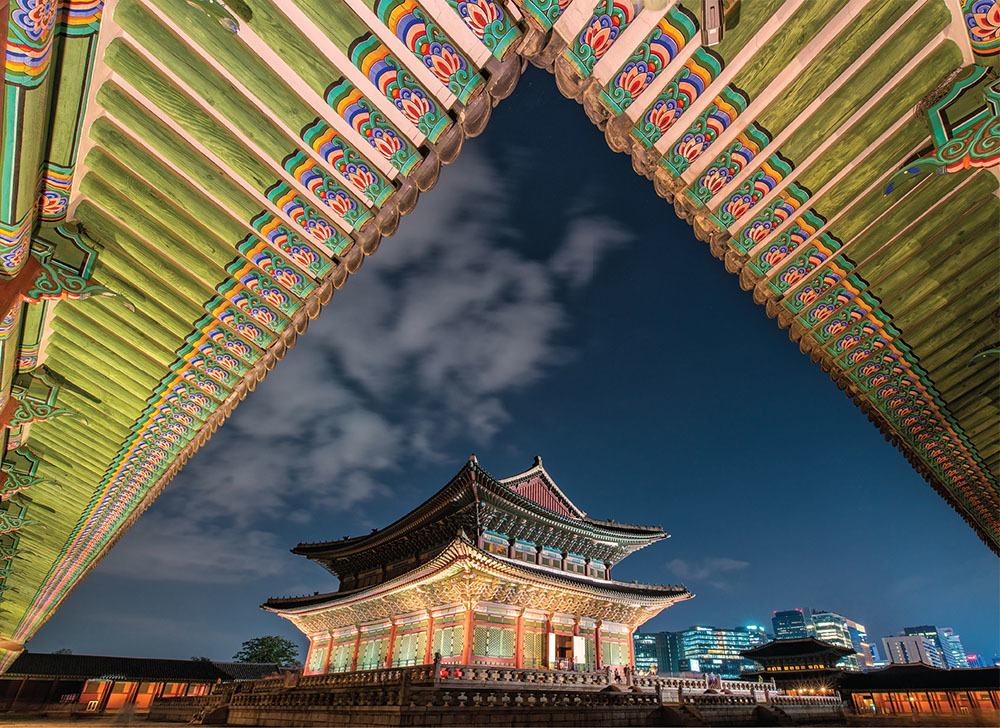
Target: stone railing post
point(437, 667)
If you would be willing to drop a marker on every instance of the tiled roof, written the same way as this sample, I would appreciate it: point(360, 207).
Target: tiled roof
point(793, 648)
point(40, 664)
point(923, 677)
point(247, 670)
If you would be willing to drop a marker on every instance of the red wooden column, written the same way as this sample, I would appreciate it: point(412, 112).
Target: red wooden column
point(357, 645)
point(106, 694)
point(631, 649)
point(467, 642)
point(329, 654)
point(519, 641)
point(392, 643)
point(428, 655)
point(132, 693)
point(597, 645)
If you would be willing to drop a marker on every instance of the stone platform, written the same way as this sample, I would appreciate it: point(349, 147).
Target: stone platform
point(427, 695)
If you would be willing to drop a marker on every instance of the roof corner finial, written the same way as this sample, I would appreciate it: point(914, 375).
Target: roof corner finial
point(473, 460)
point(538, 461)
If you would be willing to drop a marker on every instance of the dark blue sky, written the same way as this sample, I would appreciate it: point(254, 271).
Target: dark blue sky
point(543, 300)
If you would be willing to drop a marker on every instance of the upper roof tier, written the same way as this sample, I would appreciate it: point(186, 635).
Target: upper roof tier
point(517, 506)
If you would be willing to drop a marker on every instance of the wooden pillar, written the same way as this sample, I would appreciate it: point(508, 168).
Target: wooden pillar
point(132, 693)
point(392, 643)
point(467, 642)
point(52, 691)
point(357, 646)
point(329, 653)
point(538, 555)
point(105, 695)
point(597, 645)
point(17, 694)
point(631, 648)
point(519, 641)
point(510, 548)
point(562, 561)
point(428, 654)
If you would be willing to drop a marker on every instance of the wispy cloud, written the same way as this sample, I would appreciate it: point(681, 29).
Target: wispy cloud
point(420, 348)
point(711, 570)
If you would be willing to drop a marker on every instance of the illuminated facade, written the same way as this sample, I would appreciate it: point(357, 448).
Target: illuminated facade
point(839, 630)
point(791, 624)
point(715, 650)
point(948, 644)
point(914, 648)
point(502, 572)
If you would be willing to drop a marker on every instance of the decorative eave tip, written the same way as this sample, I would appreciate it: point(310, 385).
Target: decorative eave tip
point(473, 460)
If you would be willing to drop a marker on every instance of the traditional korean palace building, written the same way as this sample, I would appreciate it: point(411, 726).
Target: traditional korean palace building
point(486, 572)
point(185, 183)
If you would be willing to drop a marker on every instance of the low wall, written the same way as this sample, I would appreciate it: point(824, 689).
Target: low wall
point(425, 696)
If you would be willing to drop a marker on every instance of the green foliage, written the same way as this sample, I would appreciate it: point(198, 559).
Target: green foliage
point(200, 659)
point(270, 648)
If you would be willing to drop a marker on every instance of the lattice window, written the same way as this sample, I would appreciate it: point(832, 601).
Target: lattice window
point(614, 653)
point(317, 659)
point(371, 655)
point(534, 648)
point(489, 641)
point(340, 661)
point(480, 641)
point(590, 653)
point(524, 555)
point(449, 640)
point(404, 652)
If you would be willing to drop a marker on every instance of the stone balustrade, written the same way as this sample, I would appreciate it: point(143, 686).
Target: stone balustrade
point(807, 700)
point(432, 694)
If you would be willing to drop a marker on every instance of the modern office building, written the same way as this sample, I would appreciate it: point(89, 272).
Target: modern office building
point(715, 650)
point(948, 644)
point(793, 624)
point(975, 661)
point(839, 630)
point(644, 646)
point(659, 649)
point(904, 649)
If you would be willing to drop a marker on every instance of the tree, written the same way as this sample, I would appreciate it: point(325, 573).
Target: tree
point(200, 659)
point(63, 651)
point(270, 648)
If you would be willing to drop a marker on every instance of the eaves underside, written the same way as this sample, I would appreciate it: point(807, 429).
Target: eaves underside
point(223, 173)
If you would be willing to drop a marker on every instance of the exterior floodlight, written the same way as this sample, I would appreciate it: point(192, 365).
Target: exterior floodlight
point(713, 22)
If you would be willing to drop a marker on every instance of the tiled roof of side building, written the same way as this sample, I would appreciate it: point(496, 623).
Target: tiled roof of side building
point(923, 677)
point(248, 670)
point(97, 667)
point(794, 648)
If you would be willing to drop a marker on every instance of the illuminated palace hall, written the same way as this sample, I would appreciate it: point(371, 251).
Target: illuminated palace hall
point(486, 572)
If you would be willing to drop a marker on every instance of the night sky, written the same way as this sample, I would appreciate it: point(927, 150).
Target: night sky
point(542, 300)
